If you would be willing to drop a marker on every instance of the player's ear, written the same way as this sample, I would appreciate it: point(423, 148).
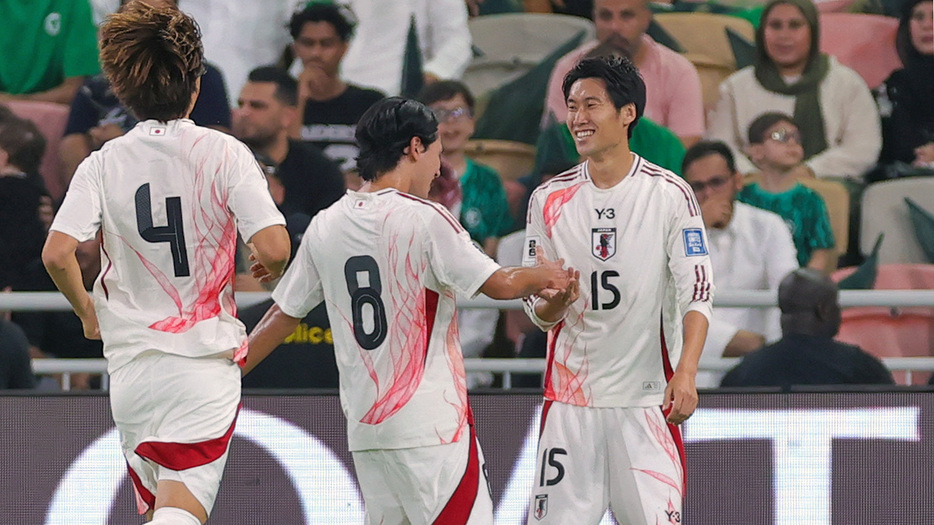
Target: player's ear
point(415, 148)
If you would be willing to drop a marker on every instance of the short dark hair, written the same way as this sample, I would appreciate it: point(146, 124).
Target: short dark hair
point(765, 121)
point(23, 142)
point(445, 90)
point(153, 58)
point(385, 130)
point(623, 82)
point(286, 86)
point(317, 11)
point(705, 148)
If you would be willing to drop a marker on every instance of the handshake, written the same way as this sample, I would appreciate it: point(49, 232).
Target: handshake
point(560, 285)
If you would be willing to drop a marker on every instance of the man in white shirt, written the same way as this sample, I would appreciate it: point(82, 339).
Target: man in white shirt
point(623, 352)
point(388, 264)
point(750, 249)
point(169, 198)
point(376, 54)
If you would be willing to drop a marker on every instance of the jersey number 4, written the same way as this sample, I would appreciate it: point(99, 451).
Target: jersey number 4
point(364, 286)
point(173, 233)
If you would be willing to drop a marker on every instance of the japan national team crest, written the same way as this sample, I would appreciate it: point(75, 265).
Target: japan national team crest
point(541, 506)
point(603, 243)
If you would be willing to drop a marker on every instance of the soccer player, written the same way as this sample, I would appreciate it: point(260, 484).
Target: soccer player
point(388, 264)
point(169, 197)
point(623, 352)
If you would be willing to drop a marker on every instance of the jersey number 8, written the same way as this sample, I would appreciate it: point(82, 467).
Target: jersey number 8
point(367, 293)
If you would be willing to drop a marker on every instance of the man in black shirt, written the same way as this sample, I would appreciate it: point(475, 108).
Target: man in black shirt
point(329, 108)
point(807, 353)
point(307, 181)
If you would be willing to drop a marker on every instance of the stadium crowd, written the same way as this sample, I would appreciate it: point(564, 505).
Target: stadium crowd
point(779, 126)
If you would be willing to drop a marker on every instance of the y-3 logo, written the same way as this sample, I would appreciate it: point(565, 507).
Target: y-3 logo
point(673, 516)
point(610, 213)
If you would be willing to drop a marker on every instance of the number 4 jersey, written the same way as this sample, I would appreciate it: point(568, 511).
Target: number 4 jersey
point(169, 199)
point(388, 265)
point(641, 249)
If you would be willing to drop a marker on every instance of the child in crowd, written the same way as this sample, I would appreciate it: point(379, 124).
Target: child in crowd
point(775, 148)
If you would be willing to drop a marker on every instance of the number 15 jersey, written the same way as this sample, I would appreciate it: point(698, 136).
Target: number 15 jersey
point(169, 199)
point(388, 266)
point(641, 249)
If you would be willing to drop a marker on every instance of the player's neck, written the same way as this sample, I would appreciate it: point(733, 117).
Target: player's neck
point(610, 167)
point(394, 179)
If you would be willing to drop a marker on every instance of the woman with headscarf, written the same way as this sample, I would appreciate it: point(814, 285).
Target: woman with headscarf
point(907, 96)
point(831, 103)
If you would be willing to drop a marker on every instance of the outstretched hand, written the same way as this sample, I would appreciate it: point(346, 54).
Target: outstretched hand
point(564, 287)
point(259, 271)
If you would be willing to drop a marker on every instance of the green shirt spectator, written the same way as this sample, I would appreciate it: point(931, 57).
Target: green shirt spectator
point(484, 210)
point(804, 212)
point(46, 45)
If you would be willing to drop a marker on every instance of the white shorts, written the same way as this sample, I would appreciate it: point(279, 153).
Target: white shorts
point(443, 484)
point(628, 459)
point(176, 416)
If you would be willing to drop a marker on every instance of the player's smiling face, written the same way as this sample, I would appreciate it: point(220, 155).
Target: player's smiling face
point(595, 123)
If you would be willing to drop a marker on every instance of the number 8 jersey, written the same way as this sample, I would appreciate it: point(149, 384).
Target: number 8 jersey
point(388, 266)
point(641, 249)
point(169, 199)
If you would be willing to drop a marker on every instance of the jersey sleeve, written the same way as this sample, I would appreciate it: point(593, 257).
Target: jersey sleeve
point(248, 194)
point(300, 290)
point(688, 256)
point(535, 238)
point(80, 213)
point(457, 262)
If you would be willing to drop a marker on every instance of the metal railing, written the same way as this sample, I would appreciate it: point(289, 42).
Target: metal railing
point(54, 301)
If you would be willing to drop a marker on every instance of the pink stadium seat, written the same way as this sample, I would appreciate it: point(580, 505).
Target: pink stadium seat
point(893, 332)
point(865, 43)
point(833, 6)
point(50, 118)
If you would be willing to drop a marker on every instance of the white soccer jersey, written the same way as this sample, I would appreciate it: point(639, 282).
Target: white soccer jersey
point(641, 249)
point(169, 199)
point(388, 266)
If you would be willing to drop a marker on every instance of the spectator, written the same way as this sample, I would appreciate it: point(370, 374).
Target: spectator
point(673, 84)
point(15, 367)
point(807, 353)
point(266, 112)
point(22, 231)
point(478, 200)
point(328, 107)
point(483, 208)
point(376, 56)
point(905, 97)
point(830, 102)
point(49, 46)
point(775, 146)
point(750, 249)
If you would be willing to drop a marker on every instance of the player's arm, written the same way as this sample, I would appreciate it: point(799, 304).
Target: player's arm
point(269, 333)
point(270, 250)
point(681, 393)
point(514, 282)
point(58, 256)
point(689, 265)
